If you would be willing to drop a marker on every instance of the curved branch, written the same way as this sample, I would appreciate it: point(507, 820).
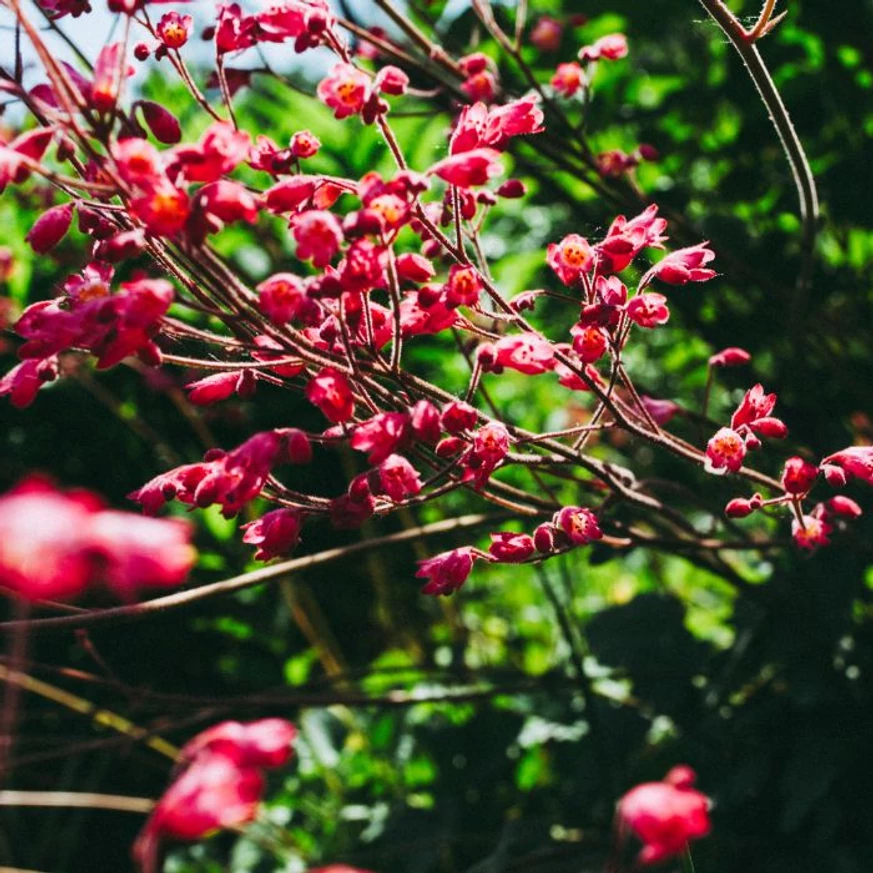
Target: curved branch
point(135, 611)
point(804, 180)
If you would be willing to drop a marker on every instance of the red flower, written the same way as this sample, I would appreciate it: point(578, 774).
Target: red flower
point(331, 392)
point(754, 405)
point(382, 435)
point(856, 461)
point(221, 149)
point(589, 342)
point(546, 34)
point(220, 786)
point(730, 357)
point(725, 451)
point(527, 353)
point(398, 478)
point(626, 239)
point(282, 297)
point(568, 79)
point(798, 476)
point(174, 29)
point(54, 543)
point(212, 792)
point(43, 541)
point(469, 169)
point(570, 258)
point(23, 381)
point(511, 548)
point(275, 534)
point(579, 524)
point(110, 71)
point(813, 532)
point(263, 743)
point(665, 816)
point(220, 386)
point(457, 416)
point(648, 310)
point(448, 571)
point(463, 287)
point(682, 266)
point(130, 552)
point(610, 48)
point(318, 234)
point(490, 447)
point(345, 90)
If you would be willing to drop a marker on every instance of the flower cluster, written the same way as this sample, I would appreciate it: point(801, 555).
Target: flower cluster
point(219, 784)
point(54, 544)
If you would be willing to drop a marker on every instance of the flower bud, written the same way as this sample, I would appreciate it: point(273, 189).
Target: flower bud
point(161, 122)
point(50, 228)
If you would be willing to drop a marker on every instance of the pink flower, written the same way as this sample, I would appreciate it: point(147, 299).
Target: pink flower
point(579, 524)
point(844, 506)
point(130, 552)
point(282, 297)
point(304, 144)
point(391, 80)
point(648, 310)
point(568, 79)
point(414, 268)
point(516, 118)
point(424, 420)
point(263, 743)
point(220, 386)
point(43, 541)
point(318, 234)
point(221, 149)
point(382, 435)
point(511, 548)
point(798, 476)
point(730, 357)
point(570, 258)
point(626, 239)
point(23, 381)
point(754, 412)
point(614, 163)
point(739, 507)
point(813, 532)
point(546, 34)
point(32, 145)
point(725, 451)
point(470, 168)
point(275, 533)
point(448, 571)
point(589, 342)
point(345, 90)
point(464, 286)
point(682, 266)
point(458, 416)
point(490, 446)
point(527, 353)
point(213, 792)
point(665, 816)
point(610, 48)
point(53, 544)
point(110, 71)
point(331, 392)
point(855, 461)
point(398, 478)
point(174, 29)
